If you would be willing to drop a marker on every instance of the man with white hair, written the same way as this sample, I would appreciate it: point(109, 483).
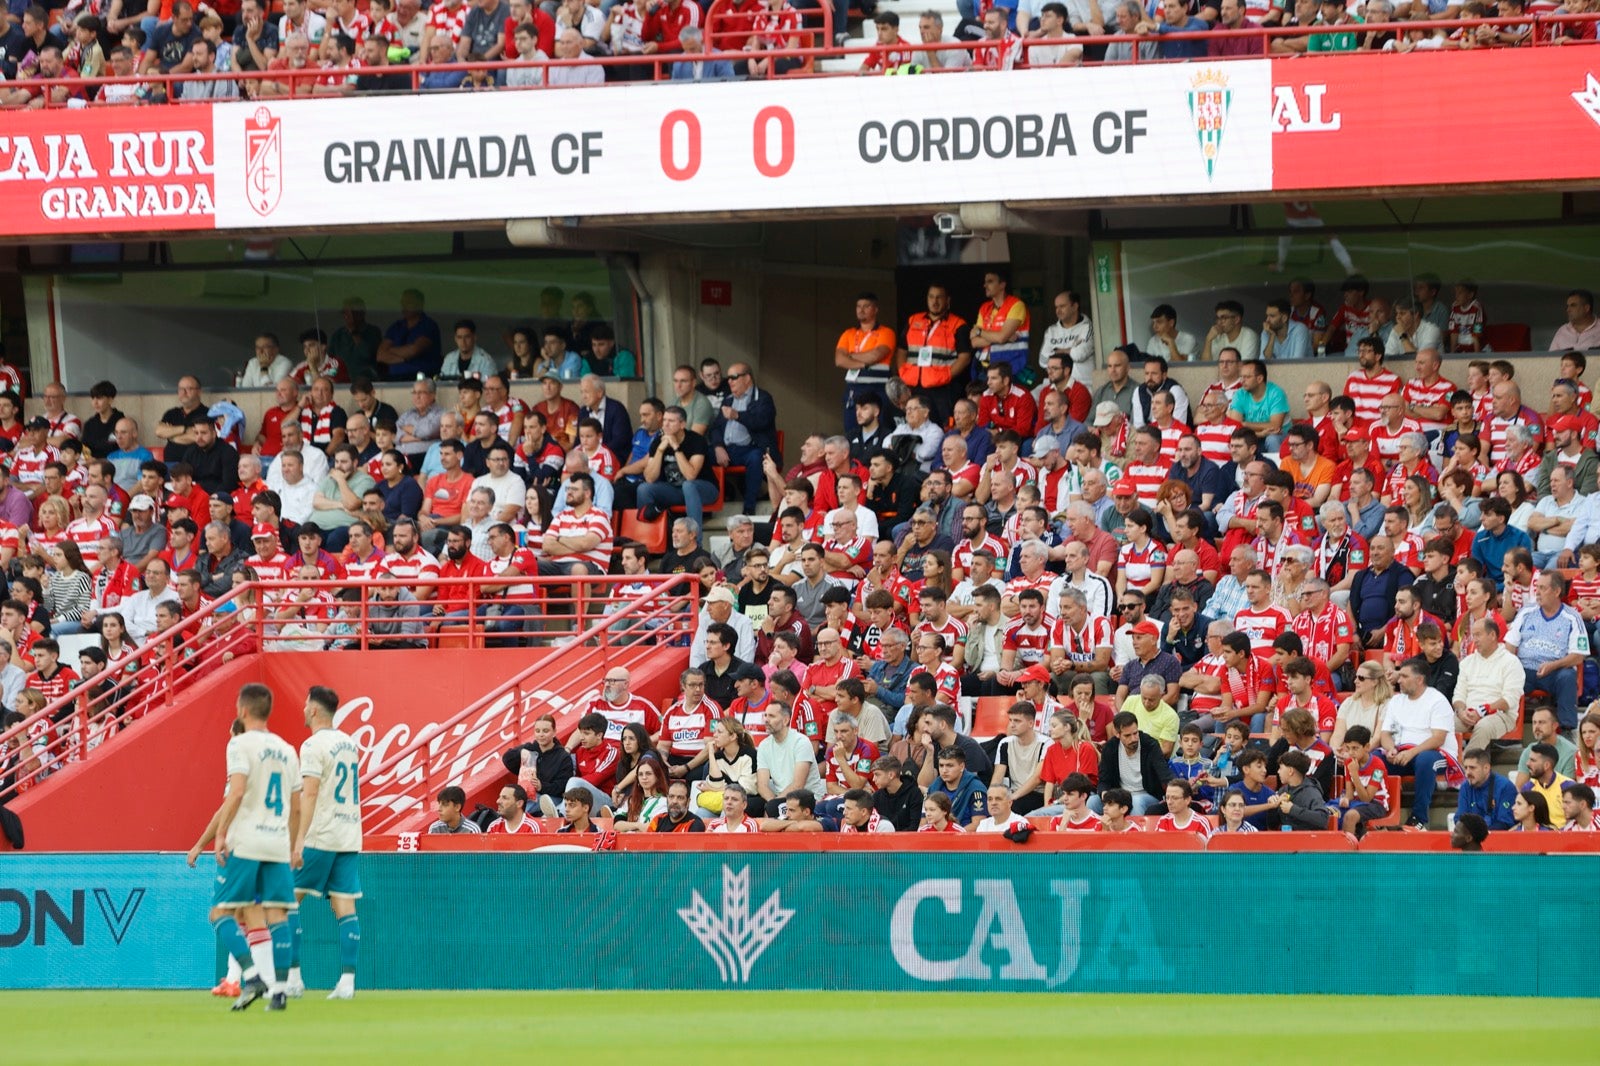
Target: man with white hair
point(1032, 557)
point(1341, 552)
point(583, 71)
point(701, 69)
point(719, 608)
point(1553, 516)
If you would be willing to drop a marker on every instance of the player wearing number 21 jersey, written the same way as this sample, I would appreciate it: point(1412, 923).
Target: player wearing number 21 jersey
point(327, 844)
point(253, 827)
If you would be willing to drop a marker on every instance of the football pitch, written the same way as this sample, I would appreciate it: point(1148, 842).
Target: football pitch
point(726, 1026)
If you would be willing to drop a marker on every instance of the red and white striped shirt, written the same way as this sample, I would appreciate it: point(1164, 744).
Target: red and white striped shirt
point(527, 825)
point(1214, 439)
point(1262, 626)
point(1368, 390)
point(1418, 393)
point(1146, 479)
point(687, 728)
point(507, 413)
point(272, 569)
point(370, 567)
point(1138, 565)
point(1031, 643)
point(27, 464)
point(596, 522)
point(1497, 434)
point(953, 631)
point(87, 533)
point(1323, 633)
point(1169, 441)
point(331, 368)
point(961, 558)
point(637, 710)
point(602, 463)
point(10, 537)
point(1211, 666)
point(1197, 824)
point(1386, 441)
point(419, 564)
point(447, 20)
point(1081, 644)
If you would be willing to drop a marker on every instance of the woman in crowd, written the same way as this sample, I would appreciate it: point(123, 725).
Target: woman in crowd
point(1232, 816)
point(1364, 706)
point(936, 815)
point(1416, 496)
point(1172, 499)
point(1459, 490)
point(635, 746)
point(1512, 488)
point(116, 643)
point(68, 589)
point(648, 796)
point(730, 760)
point(1531, 813)
point(1292, 578)
point(1142, 562)
point(1480, 598)
point(1586, 762)
point(54, 516)
point(537, 504)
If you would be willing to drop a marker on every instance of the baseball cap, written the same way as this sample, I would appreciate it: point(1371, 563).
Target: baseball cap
point(1106, 413)
point(37, 422)
point(1044, 444)
point(225, 497)
point(174, 500)
point(1354, 434)
point(1036, 672)
point(1565, 423)
point(141, 502)
point(720, 595)
point(1146, 628)
point(1124, 488)
point(261, 529)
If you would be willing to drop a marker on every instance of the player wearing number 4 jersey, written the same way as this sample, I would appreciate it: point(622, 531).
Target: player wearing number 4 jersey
point(327, 837)
point(252, 829)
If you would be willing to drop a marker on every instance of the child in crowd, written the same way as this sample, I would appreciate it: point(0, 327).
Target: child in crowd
point(1364, 797)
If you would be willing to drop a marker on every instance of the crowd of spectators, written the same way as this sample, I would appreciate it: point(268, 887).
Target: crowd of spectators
point(343, 47)
point(1213, 605)
point(1186, 601)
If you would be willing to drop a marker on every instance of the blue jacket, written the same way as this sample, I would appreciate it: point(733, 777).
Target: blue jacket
point(760, 420)
point(1491, 550)
point(1491, 801)
point(710, 70)
point(968, 800)
point(1372, 596)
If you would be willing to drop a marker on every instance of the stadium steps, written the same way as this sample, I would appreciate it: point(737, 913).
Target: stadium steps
point(155, 785)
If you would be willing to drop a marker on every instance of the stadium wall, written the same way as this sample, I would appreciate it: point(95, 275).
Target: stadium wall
point(1004, 921)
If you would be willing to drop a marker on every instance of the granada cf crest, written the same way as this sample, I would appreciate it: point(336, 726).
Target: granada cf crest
point(1209, 99)
point(263, 161)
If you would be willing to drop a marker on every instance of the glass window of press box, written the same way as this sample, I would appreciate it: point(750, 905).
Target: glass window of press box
point(142, 314)
point(1525, 253)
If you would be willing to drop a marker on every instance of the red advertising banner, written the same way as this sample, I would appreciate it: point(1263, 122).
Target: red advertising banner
point(107, 170)
point(1344, 122)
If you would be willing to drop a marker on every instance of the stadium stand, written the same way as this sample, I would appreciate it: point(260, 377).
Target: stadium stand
point(1092, 600)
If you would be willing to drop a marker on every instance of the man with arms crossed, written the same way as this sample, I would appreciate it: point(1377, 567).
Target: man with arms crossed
point(327, 837)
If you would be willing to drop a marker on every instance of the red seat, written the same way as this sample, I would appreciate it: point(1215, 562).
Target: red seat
point(1508, 337)
point(714, 505)
point(653, 535)
point(989, 716)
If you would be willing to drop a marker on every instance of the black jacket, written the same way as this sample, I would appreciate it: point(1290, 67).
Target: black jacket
point(1309, 812)
point(760, 420)
point(1323, 775)
point(216, 575)
point(1152, 766)
point(903, 808)
point(554, 767)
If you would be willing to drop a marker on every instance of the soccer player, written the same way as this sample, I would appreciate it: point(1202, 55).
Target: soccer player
point(254, 880)
point(228, 930)
point(327, 838)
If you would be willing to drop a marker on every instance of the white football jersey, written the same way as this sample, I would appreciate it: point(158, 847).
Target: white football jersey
point(334, 760)
point(260, 829)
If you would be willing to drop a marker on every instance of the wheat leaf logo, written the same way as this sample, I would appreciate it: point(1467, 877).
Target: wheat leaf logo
point(736, 938)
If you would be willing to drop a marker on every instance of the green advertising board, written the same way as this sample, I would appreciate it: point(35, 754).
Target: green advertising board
point(1068, 922)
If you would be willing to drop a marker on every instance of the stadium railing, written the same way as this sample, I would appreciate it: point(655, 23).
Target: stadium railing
point(664, 616)
point(1513, 843)
point(1544, 32)
point(576, 617)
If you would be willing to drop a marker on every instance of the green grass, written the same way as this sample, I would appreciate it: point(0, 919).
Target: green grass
point(661, 1028)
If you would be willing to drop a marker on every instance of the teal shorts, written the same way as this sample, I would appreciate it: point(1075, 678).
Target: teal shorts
point(329, 873)
point(244, 882)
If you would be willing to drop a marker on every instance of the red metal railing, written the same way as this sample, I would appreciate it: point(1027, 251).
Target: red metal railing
point(1544, 30)
point(272, 616)
point(401, 786)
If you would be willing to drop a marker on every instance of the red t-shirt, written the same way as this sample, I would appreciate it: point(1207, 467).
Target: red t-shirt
point(447, 498)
